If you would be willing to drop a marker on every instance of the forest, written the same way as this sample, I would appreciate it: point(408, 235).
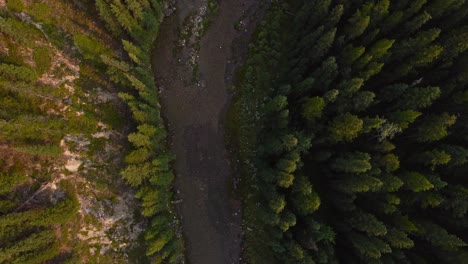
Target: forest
point(347, 131)
point(76, 86)
point(148, 163)
point(360, 144)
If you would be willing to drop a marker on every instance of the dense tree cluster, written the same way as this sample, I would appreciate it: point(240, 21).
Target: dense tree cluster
point(28, 236)
point(148, 163)
point(360, 143)
point(29, 135)
point(38, 203)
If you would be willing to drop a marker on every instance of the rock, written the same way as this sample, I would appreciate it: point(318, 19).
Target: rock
point(168, 12)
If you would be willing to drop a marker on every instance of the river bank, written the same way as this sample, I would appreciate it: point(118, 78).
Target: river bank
point(194, 95)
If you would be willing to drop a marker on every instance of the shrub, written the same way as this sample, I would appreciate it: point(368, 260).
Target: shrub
point(41, 12)
point(43, 60)
point(15, 5)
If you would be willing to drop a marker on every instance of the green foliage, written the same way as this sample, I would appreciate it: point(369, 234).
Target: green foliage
point(378, 90)
point(398, 239)
point(439, 237)
point(135, 53)
point(344, 127)
point(416, 182)
point(19, 31)
point(371, 247)
point(351, 54)
point(15, 5)
point(368, 223)
point(214, 7)
point(38, 205)
point(136, 174)
point(287, 221)
point(41, 12)
point(389, 162)
point(457, 201)
point(435, 127)
point(305, 200)
point(35, 242)
point(90, 48)
point(390, 183)
point(41, 150)
point(148, 164)
point(404, 118)
point(17, 73)
point(352, 162)
point(458, 154)
point(357, 24)
point(434, 158)
point(313, 108)
point(277, 204)
point(361, 183)
point(42, 59)
point(9, 181)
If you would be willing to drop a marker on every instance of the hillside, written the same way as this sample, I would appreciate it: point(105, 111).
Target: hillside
point(64, 135)
point(359, 149)
point(233, 131)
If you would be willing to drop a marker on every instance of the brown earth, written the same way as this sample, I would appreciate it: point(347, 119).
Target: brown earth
point(195, 112)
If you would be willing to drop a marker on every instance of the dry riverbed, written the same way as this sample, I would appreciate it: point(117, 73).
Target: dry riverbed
point(194, 65)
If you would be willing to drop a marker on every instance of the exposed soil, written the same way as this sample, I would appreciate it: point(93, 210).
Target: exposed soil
point(195, 112)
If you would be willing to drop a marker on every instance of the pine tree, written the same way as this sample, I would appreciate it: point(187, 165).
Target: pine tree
point(378, 105)
point(410, 45)
point(322, 45)
point(288, 220)
point(304, 199)
point(415, 181)
point(435, 127)
point(367, 223)
point(398, 239)
point(434, 158)
point(108, 17)
point(362, 100)
point(380, 48)
point(458, 154)
point(313, 108)
point(438, 7)
point(389, 162)
point(371, 247)
point(456, 200)
point(350, 54)
point(414, 7)
point(404, 118)
point(277, 204)
point(357, 24)
point(455, 43)
point(325, 74)
point(439, 237)
point(344, 127)
point(416, 23)
point(361, 183)
point(352, 162)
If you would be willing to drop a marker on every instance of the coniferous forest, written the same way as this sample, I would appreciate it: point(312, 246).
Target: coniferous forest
point(346, 136)
point(359, 152)
point(76, 86)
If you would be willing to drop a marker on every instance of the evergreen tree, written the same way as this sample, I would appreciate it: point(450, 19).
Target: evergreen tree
point(378, 90)
point(352, 162)
point(416, 182)
point(435, 127)
point(313, 108)
point(356, 26)
point(304, 199)
point(344, 127)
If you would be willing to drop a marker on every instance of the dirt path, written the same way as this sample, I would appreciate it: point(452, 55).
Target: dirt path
point(195, 112)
